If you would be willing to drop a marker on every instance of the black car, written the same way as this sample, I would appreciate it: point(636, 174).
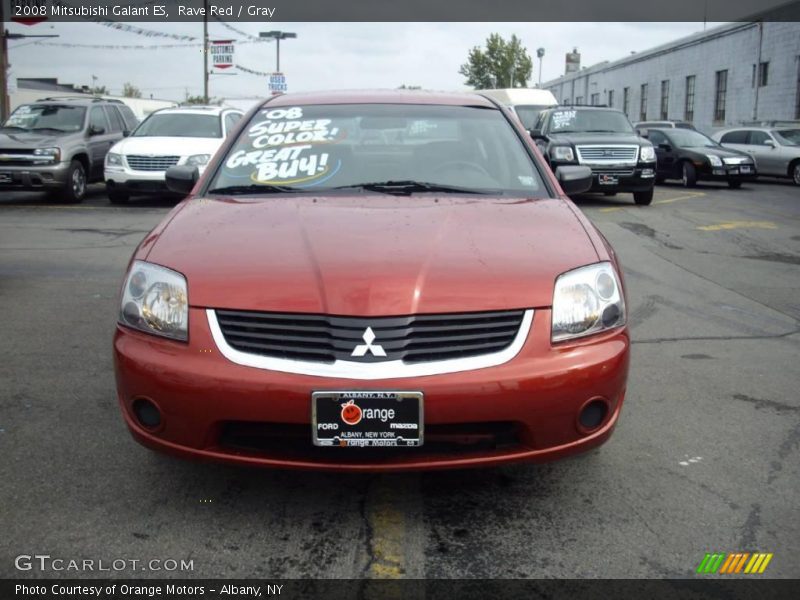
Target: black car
point(691, 156)
point(602, 139)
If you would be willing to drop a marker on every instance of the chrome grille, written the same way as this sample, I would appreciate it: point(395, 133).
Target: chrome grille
point(607, 155)
point(410, 339)
point(14, 157)
point(138, 162)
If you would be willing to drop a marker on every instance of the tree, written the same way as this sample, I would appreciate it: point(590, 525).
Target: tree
point(100, 90)
point(200, 100)
point(131, 91)
point(410, 87)
point(502, 64)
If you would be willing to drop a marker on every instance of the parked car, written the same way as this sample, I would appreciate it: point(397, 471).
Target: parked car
point(603, 139)
point(776, 150)
point(58, 144)
point(526, 103)
point(320, 301)
point(171, 136)
point(663, 125)
point(692, 156)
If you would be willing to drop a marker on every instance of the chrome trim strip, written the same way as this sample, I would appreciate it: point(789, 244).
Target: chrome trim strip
point(394, 369)
point(599, 162)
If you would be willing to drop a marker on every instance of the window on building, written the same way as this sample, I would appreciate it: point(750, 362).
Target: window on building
point(688, 109)
point(626, 101)
point(643, 104)
point(797, 99)
point(720, 93)
point(579, 100)
point(596, 99)
point(611, 98)
point(665, 99)
point(762, 76)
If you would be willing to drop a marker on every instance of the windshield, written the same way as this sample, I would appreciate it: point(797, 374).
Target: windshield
point(529, 114)
point(179, 125)
point(788, 137)
point(589, 121)
point(33, 117)
point(399, 146)
point(688, 138)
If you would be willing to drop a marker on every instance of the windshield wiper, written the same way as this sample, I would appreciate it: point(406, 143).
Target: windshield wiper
point(14, 127)
point(408, 187)
point(255, 189)
point(604, 131)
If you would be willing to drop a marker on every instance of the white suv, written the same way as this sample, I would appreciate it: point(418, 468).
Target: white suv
point(172, 136)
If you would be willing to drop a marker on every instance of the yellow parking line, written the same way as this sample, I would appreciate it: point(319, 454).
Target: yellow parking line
point(739, 225)
point(388, 525)
point(686, 197)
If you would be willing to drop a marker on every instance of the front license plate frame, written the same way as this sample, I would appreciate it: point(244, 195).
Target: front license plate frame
point(606, 179)
point(385, 418)
point(745, 169)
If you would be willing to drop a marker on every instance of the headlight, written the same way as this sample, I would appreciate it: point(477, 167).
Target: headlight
point(48, 154)
point(155, 300)
point(647, 154)
point(714, 160)
point(113, 160)
point(198, 160)
point(562, 153)
point(586, 301)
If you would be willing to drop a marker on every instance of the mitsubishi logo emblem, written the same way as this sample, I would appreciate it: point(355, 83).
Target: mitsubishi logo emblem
point(362, 349)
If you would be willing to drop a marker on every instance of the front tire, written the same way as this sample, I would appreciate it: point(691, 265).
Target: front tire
point(794, 172)
point(688, 174)
point(643, 198)
point(75, 189)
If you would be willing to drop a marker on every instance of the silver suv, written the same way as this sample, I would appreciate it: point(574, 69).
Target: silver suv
point(59, 144)
point(776, 150)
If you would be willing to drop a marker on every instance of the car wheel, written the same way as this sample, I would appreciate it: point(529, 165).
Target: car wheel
point(795, 172)
point(609, 193)
point(75, 188)
point(643, 198)
point(688, 174)
point(734, 185)
point(118, 196)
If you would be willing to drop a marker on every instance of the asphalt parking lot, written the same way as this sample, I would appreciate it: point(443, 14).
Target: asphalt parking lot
point(706, 456)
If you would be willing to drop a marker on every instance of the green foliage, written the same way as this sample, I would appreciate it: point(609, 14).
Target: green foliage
point(131, 91)
point(503, 64)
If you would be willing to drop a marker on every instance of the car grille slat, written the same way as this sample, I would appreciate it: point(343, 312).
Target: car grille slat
point(139, 162)
point(413, 339)
point(606, 155)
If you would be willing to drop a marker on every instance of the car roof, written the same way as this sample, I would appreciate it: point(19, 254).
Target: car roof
point(381, 97)
point(72, 100)
point(197, 110)
point(581, 107)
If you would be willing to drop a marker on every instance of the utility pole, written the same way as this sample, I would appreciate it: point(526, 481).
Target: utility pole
point(277, 36)
point(3, 67)
point(205, 52)
point(540, 56)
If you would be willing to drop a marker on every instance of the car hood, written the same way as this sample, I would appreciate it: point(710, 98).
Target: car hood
point(164, 146)
point(597, 138)
point(26, 141)
point(715, 151)
point(372, 255)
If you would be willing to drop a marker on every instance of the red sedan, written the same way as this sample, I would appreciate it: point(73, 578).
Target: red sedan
point(374, 281)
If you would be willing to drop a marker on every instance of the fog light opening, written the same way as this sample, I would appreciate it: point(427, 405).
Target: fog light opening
point(146, 413)
point(593, 414)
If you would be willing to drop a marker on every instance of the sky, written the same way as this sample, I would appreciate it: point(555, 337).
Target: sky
point(323, 56)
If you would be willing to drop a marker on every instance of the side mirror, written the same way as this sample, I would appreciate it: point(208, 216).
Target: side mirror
point(642, 133)
point(665, 147)
point(95, 130)
point(537, 134)
point(574, 179)
point(181, 178)
point(125, 132)
point(769, 143)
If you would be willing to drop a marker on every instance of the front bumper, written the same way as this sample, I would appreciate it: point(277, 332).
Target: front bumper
point(706, 172)
point(539, 394)
point(34, 177)
point(135, 182)
point(619, 178)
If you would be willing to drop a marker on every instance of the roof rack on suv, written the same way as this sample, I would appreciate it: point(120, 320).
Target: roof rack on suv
point(81, 99)
point(582, 105)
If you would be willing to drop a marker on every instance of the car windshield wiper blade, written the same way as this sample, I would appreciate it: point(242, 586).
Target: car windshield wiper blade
point(48, 129)
point(255, 189)
point(406, 187)
point(15, 127)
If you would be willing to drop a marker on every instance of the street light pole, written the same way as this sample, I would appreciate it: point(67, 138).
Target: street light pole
point(205, 52)
point(540, 56)
point(277, 36)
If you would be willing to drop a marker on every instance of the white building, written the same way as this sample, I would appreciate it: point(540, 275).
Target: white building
point(724, 76)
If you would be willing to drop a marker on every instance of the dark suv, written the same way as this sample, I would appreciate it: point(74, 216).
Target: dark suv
point(59, 144)
point(603, 139)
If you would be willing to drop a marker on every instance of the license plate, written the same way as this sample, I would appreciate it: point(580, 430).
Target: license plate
point(360, 419)
point(604, 179)
point(744, 169)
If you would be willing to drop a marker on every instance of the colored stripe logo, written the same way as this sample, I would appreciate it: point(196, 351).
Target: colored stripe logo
point(730, 563)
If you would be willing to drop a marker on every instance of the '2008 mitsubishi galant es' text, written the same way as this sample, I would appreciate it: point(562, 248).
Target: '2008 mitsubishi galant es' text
point(374, 281)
